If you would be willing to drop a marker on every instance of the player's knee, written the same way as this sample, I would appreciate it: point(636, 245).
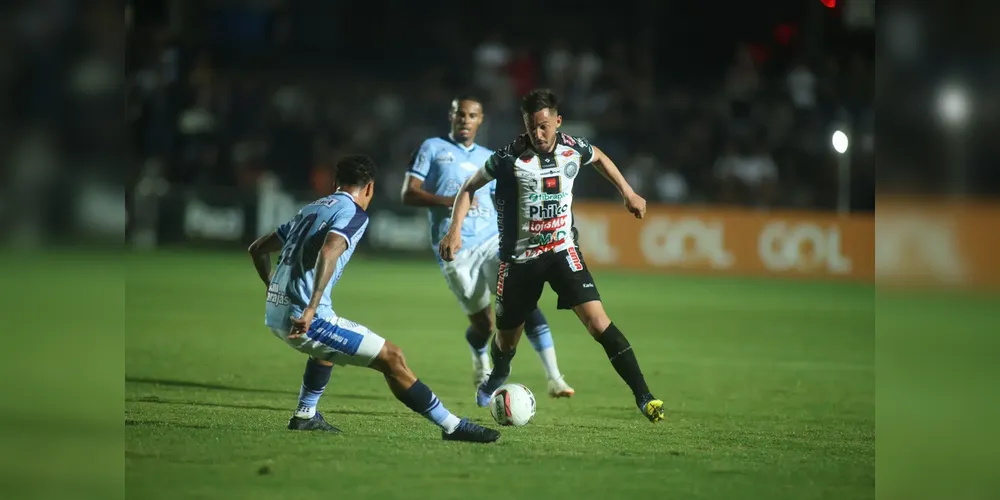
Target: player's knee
point(482, 323)
point(322, 362)
point(596, 324)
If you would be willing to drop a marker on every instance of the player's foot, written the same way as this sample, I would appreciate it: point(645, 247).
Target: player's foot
point(652, 409)
point(480, 374)
point(558, 388)
point(482, 397)
point(316, 423)
point(471, 432)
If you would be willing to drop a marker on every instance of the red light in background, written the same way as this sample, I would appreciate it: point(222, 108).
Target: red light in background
point(829, 3)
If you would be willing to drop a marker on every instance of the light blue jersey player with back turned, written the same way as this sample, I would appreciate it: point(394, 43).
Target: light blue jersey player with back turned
point(436, 173)
point(315, 248)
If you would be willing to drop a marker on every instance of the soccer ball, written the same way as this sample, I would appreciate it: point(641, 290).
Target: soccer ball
point(512, 404)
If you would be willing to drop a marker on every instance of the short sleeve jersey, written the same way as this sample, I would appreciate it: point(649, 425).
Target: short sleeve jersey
point(534, 195)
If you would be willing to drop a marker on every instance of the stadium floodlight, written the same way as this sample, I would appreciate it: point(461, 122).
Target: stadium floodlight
point(953, 105)
point(840, 141)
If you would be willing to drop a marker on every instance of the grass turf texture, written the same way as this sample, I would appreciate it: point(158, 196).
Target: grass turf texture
point(769, 391)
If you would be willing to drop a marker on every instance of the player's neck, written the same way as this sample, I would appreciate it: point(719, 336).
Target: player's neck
point(467, 144)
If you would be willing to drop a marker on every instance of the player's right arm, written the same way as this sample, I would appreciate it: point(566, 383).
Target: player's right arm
point(452, 241)
point(413, 192)
point(326, 263)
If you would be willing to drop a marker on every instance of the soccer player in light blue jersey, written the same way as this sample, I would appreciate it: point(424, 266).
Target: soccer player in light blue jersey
point(315, 247)
point(436, 173)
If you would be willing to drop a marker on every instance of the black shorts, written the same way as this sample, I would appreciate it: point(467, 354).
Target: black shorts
point(519, 285)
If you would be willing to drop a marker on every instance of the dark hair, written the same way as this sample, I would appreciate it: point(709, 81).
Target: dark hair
point(539, 99)
point(355, 170)
point(468, 97)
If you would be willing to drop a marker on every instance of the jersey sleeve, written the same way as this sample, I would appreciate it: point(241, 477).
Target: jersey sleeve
point(584, 147)
point(420, 162)
point(348, 222)
point(490, 167)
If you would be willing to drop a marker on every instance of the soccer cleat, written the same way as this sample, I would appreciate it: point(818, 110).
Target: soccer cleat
point(471, 432)
point(558, 388)
point(317, 423)
point(483, 398)
point(653, 410)
point(480, 374)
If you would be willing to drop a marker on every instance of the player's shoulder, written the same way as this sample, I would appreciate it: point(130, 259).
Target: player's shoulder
point(576, 142)
point(514, 149)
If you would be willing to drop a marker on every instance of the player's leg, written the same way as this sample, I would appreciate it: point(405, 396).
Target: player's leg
point(314, 380)
point(519, 285)
point(344, 342)
point(470, 289)
point(539, 334)
point(577, 291)
point(413, 393)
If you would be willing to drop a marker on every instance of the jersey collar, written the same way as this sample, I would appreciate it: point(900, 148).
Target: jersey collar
point(459, 144)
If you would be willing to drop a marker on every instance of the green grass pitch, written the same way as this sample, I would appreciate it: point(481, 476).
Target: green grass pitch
point(769, 390)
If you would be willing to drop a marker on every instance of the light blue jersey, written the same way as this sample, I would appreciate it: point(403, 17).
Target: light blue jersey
point(302, 238)
point(444, 166)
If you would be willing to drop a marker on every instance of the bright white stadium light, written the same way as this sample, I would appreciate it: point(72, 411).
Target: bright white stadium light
point(840, 142)
point(953, 105)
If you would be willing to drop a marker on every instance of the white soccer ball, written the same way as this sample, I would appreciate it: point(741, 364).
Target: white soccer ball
point(512, 404)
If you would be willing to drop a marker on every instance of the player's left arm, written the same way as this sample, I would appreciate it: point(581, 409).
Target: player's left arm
point(334, 246)
point(260, 252)
point(635, 203)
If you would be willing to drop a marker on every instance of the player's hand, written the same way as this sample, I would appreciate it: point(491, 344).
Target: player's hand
point(301, 324)
point(635, 204)
point(449, 246)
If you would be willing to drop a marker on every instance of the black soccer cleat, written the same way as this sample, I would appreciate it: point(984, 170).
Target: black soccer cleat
point(317, 423)
point(472, 433)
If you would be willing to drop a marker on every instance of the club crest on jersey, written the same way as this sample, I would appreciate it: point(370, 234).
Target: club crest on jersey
point(571, 170)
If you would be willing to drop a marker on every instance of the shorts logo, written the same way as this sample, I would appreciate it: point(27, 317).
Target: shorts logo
point(501, 274)
point(573, 259)
point(571, 170)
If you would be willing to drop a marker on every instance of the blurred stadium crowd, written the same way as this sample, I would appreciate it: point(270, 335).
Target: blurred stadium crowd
point(235, 95)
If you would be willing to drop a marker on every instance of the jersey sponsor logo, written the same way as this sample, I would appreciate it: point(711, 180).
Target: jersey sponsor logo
point(326, 202)
point(567, 153)
point(536, 251)
point(445, 158)
point(534, 197)
point(531, 183)
point(547, 210)
point(500, 204)
point(548, 225)
point(573, 259)
point(568, 140)
point(548, 237)
point(551, 185)
point(571, 170)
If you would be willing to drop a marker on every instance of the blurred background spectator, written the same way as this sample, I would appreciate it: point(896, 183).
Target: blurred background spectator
point(695, 107)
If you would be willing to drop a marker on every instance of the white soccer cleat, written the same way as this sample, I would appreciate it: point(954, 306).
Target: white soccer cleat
point(558, 388)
